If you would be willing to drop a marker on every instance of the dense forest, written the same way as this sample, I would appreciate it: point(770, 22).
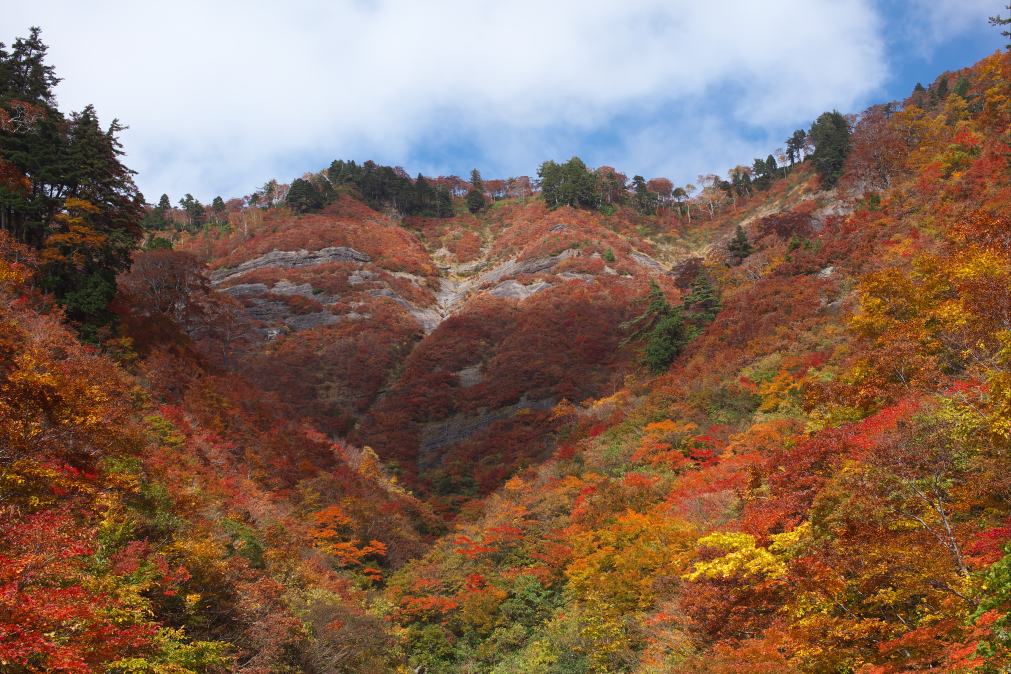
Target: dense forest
point(577, 422)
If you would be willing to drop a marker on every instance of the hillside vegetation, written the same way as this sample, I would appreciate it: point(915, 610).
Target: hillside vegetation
point(372, 423)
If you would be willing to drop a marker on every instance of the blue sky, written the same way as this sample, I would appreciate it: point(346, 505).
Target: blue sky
point(222, 96)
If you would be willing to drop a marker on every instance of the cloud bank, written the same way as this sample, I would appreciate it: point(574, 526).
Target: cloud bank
point(221, 96)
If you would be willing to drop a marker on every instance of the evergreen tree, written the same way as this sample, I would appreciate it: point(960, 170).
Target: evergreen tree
point(703, 300)
point(24, 74)
point(386, 186)
point(664, 327)
point(795, 146)
point(740, 247)
point(218, 214)
point(194, 211)
point(158, 217)
point(568, 184)
point(962, 86)
point(830, 134)
point(475, 196)
point(1003, 21)
point(645, 201)
point(763, 176)
point(668, 337)
point(475, 200)
point(71, 196)
point(303, 196)
point(942, 88)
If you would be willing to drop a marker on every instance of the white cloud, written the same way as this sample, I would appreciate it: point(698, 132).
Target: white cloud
point(931, 22)
point(221, 96)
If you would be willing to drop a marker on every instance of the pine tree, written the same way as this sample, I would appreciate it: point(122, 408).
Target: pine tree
point(796, 143)
point(770, 167)
point(740, 247)
point(668, 337)
point(25, 75)
point(475, 196)
point(645, 201)
point(74, 199)
point(962, 86)
point(194, 211)
point(568, 184)
point(1003, 21)
point(703, 300)
point(218, 209)
point(303, 196)
point(831, 136)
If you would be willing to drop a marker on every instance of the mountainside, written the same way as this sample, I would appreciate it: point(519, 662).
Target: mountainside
point(441, 343)
point(818, 484)
point(370, 423)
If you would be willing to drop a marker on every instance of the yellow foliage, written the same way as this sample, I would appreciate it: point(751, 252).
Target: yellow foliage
point(622, 563)
point(743, 558)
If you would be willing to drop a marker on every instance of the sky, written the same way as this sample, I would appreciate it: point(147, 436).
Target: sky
point(222, 96)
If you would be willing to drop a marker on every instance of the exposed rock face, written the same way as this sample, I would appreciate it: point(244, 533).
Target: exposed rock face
point(517, 267)
point(516, 290)
point(439, 434)
point(470, 376)
point(289, 259)
point(453, 293)
point(260, 305)
point(646, 261)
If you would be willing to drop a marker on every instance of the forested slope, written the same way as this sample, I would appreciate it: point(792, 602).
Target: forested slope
point(366, 422)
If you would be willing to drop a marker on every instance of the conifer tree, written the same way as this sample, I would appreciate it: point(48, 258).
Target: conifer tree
point(831, 136)
point(703, 300)
point(740, 247)
point(475, 196)
point(1003, 21)
point(303, 196)
point(568, 184)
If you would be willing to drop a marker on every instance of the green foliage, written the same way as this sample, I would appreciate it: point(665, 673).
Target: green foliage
point(195, 212)
point(303, 196)
point(795, 146)
point(475, 200)
point(382, 186)
point(430, 648)
point(529, 603)
point(830, 134)
point(608, 256)
point(999, 20)
point(158, 243)
point(63, 188)
point(646, 201)
point(666, 340)
point(667, 328)
point(703, 300)
point(85, 299)
point(244, 542)
point(962, 86)
point(739, 247)
point(568, 184)
point(175, 655)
